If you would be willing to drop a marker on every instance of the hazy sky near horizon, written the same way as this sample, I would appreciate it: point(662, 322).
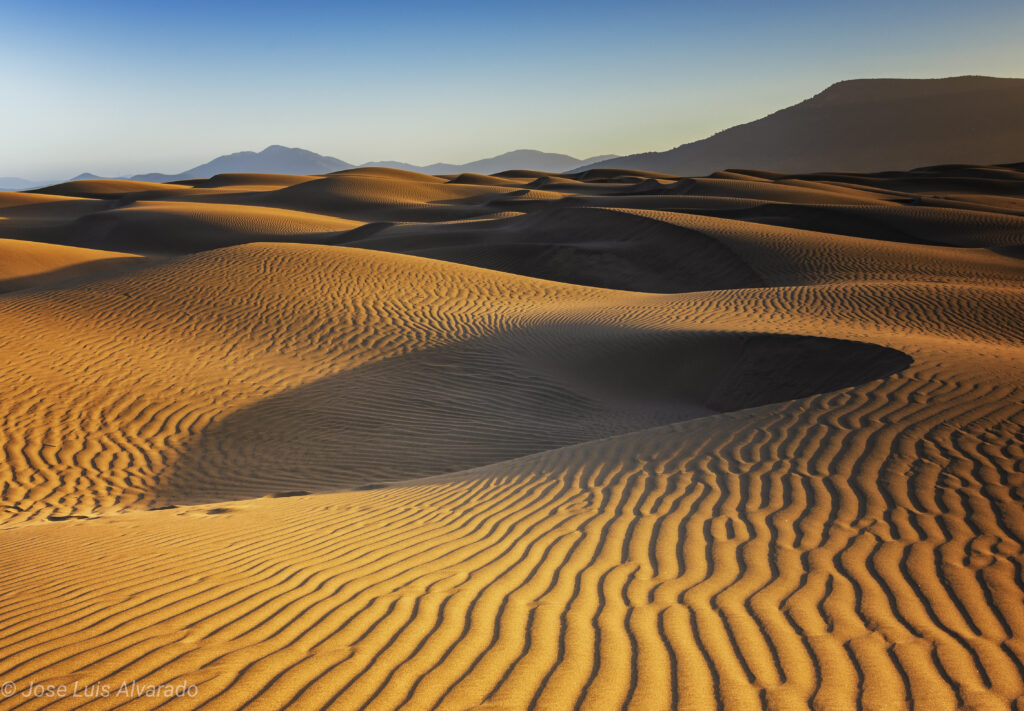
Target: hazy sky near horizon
point(121, 87)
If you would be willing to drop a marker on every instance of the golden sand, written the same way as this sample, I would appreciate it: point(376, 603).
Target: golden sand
point(382, 440)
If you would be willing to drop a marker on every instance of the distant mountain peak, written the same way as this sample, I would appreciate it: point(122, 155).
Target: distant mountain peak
point(276, 158)
point(278, 149)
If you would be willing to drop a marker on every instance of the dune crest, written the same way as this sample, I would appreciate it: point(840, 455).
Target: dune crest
point(24, 265)
point(376, 440)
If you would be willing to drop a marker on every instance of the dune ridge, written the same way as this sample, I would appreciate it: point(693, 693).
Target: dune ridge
point(375, 440)
point(24, 265)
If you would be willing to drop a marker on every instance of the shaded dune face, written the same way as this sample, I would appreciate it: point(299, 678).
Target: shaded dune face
point(606, 228)
point(611, 440)
point(593, 247)
point(494, 398)
point(350, 366)
point(911, 224)
point(172, 228)
point(735, 371)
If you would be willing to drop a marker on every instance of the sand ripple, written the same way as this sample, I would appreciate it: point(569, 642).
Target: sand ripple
point(312, 475)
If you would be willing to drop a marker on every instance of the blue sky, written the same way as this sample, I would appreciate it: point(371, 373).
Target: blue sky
point(124, 87)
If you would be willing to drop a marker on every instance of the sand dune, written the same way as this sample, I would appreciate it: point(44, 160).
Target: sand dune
point(592, 246)
point(104, 188)
point(520, 442)
point(341, 351)
point(24, 265)
point(175, 227)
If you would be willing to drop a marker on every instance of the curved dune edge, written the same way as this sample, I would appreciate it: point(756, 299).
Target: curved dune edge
point(24, 265)
point(451, 409)
point(849, 549)
point(172, 227)
point(543, 509)
point(674, 568)
point(248, 370)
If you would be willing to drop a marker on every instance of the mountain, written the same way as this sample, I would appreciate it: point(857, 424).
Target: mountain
point(297, 161)
point(864, 125)
point(18, 184)
point(513, 160)
point(272, 159)
point(587, 162)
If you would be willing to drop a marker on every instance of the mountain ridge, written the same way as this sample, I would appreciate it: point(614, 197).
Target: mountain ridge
point(863, 125)
point(854, 125)
point(299, 161)
point(522, 159)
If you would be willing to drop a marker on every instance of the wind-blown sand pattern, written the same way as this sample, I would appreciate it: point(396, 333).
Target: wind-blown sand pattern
point(612, 440)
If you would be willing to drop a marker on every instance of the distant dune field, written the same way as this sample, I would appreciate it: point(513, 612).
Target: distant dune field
point(606, 440)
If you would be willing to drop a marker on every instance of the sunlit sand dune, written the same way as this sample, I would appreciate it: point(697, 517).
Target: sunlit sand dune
point(175, 227)
point(345, 367)
point(606, 441)
point(102, 188)
point(27, 264)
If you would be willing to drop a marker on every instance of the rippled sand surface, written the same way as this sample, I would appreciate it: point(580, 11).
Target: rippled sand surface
point(611, 440)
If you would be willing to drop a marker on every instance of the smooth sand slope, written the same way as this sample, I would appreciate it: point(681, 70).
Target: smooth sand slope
point(346, 475)
point(26, 264)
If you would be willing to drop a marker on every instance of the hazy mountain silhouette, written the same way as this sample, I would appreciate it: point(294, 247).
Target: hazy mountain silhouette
point(18, 184)
point(272, 159)
point(857, 125)
point(297, 161)
point(864, 125)
point(513, 160)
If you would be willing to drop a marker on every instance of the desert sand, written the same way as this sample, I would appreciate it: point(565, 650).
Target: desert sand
point(612, 440)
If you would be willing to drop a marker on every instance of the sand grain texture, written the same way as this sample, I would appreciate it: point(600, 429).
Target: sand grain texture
point(608, 441)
